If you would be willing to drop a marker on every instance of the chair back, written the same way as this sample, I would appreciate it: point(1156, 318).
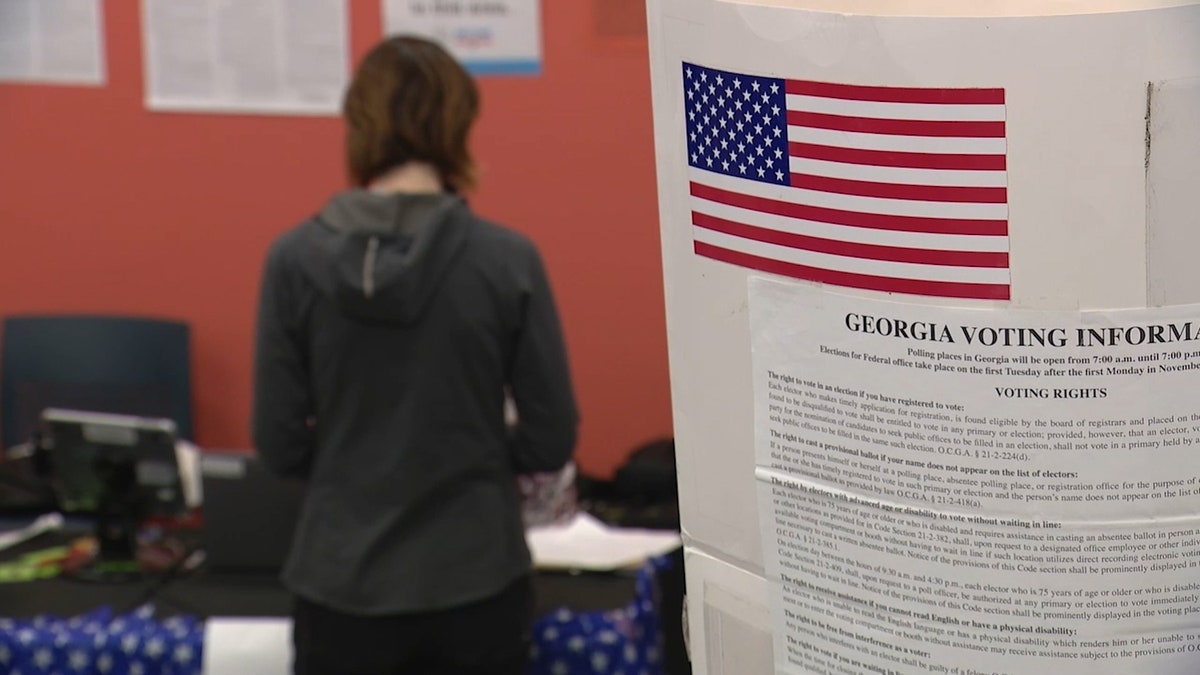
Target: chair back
point(112, 364)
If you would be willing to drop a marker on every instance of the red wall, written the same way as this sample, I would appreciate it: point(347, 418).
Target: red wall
point(106, 207)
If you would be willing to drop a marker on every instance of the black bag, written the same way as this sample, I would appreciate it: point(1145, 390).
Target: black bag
point(648, 476)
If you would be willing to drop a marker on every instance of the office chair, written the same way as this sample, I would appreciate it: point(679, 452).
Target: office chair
point(96, 363)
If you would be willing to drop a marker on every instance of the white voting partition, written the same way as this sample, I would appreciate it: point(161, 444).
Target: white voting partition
point(1065, 162)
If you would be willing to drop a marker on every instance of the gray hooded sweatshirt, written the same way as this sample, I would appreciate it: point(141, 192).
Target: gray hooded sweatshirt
point(389, 328)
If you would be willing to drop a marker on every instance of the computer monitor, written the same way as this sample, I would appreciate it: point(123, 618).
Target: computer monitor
point(119, 468)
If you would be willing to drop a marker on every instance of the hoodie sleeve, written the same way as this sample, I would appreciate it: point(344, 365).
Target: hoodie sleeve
point(283, 402)
point(544, 438)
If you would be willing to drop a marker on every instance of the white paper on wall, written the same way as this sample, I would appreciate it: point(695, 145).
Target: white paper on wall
point(489, 37)
point(52, 41)
point(1006, 491)
point(252, 56)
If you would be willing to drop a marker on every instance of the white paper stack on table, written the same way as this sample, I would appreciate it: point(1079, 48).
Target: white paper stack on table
point(587, 544)
point(247, 646)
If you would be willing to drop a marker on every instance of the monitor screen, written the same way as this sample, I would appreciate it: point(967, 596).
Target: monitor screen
point(97, 458)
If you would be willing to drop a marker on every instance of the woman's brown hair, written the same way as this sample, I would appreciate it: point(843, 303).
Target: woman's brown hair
point(410, 101)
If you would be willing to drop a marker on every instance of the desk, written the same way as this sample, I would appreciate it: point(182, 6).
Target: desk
point(591, 598)
point(203, 595)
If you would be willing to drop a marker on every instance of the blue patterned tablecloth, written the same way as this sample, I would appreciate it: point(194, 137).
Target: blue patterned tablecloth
point(625, 641)
point(102, 643)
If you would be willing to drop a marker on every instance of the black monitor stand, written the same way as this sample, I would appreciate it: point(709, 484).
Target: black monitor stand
point(119, 513)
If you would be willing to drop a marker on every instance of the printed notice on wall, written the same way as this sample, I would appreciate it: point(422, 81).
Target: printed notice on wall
point(52, 41)
point(977, 491)
point(489, 37)
point(252, 56)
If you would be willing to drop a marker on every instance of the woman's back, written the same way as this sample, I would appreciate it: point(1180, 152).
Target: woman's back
point(391, 327)
point(413, 314)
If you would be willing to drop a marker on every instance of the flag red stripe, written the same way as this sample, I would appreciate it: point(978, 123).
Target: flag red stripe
point(925, 193)
point(910, 160)
point(851, 249)
point(877, 221)
point(853, 92)
point(946, 289)
point(875, 125)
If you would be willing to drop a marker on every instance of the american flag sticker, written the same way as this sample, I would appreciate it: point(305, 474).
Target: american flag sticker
point(895, 189)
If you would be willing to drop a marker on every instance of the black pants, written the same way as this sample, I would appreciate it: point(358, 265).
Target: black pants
point(489, 637)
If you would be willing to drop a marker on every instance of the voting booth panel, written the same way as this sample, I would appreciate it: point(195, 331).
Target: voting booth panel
point(988, 157)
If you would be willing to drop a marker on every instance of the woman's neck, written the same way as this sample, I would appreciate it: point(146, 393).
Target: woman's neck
point(410, 177)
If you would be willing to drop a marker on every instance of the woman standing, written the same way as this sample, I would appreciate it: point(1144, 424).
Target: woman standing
point(390, 326)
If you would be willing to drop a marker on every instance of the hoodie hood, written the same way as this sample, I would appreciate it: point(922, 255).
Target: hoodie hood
point(381, 257)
